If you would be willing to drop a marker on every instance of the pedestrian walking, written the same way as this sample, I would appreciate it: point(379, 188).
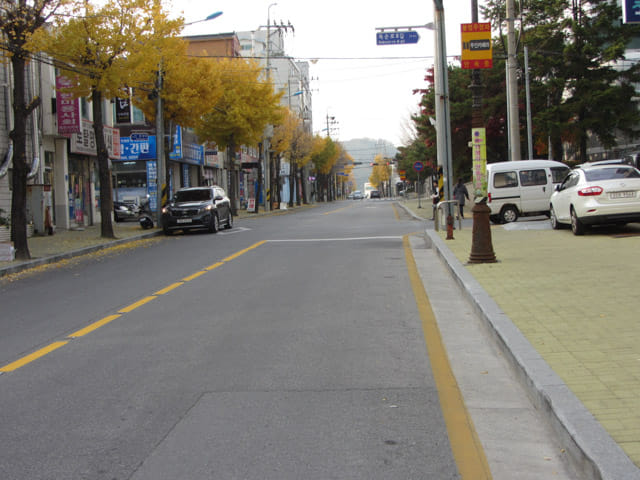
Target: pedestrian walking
point(435, 198)
point(460, 192)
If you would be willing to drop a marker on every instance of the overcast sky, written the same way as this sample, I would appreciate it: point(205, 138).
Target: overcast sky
point(367, 88)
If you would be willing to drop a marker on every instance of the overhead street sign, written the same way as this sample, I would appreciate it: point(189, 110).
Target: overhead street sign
point(397, 37)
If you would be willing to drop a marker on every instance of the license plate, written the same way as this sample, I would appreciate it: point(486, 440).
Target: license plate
point(622, 195)
point(184, 220)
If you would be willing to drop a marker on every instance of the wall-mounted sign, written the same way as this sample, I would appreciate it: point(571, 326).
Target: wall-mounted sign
point(67, 107)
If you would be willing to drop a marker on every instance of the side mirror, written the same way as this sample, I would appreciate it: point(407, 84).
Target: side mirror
point(217, 198)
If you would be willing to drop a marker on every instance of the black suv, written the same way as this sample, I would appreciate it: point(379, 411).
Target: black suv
point(197, 207)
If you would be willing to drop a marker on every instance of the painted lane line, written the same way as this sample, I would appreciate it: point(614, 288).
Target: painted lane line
point(242, 252)
point(194, 276)
point(137, 304)
point(346, 239)
point(94, 326)
point(32, 356)
point(169, 288)
point(465, 444)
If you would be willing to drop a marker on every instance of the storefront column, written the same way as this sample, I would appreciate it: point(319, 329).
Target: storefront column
point(61, 184)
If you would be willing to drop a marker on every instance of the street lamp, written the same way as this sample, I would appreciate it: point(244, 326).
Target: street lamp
point(206, 19)
point(162, 191)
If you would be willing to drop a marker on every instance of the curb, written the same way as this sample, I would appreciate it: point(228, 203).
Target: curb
point(590, 449)
point(8, 270)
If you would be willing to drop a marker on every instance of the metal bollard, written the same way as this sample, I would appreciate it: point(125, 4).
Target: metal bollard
point(440, 211)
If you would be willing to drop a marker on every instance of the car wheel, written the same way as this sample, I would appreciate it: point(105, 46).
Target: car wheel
point(213, 224)
point(577, 227)
point(554, 220)
point(229, 224)
point(509, 214)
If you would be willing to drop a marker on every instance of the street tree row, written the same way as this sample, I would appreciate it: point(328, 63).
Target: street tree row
point(583, 89)
point(118, 48)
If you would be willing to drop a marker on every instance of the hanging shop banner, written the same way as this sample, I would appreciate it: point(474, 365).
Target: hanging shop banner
point(176, 153)
point(67, 107)
point(123, 110)
point(84, 142)
point(152, 184)
point(479, 157)
point(476, 46)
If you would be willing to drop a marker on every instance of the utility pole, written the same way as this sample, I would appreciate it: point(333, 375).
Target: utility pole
point(161, 193)
point(512, 84)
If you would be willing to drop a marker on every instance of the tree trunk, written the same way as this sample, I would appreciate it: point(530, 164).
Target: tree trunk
point(231, 149)
point(104, 172)
point(292, 180)
point(19, 183)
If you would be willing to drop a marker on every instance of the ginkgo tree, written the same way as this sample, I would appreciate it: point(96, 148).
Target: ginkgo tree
point(19, 20)
point(239, 117)
point(325, 153)
point(103, 47)
point(190, 85)
point(381, 173)
point(292, 140)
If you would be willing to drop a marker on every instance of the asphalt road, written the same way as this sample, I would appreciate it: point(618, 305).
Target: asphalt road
point(287, 347)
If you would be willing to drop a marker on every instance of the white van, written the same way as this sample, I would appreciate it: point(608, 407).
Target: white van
point(522, 187)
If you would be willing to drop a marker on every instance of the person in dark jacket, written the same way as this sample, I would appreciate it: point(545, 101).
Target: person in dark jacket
point(460, 192)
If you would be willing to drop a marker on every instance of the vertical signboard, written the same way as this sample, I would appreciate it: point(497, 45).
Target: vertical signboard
point(479, 156)
point(476, 46)
point(67, 107)
point(631, 11)
point(123, 110)
point(152, 184)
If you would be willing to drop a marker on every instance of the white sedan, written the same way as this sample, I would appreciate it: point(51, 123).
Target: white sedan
point(597, 195)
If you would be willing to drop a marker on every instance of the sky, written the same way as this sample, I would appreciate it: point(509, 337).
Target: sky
point(367, 88)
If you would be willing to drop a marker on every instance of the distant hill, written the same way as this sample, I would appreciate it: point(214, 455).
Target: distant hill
point(364, 150)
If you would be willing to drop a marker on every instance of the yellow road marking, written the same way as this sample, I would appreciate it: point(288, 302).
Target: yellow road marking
point(465, 444)
point(194, 275)
point(94, 326)
point(169, 288)
point(395, 211)
point(338, 210)
point(242, 252)
point(137, 304)
point(32, 356)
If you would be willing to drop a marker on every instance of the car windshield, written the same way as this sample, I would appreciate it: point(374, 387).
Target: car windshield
point(611, 173)
point(199, 195)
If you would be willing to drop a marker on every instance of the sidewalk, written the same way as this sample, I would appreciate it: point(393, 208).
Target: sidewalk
point(571, 304)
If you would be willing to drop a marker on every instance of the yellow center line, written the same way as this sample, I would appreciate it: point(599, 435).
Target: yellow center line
point(338, 210)
point(94, 326)
point(137, 304)
point(169, 288)
point(465, 444)
point(395, 211)
point(242, 252)
point(32, 356)
point(194, 275)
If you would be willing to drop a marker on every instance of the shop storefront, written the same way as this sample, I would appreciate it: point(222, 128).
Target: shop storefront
point(134, 176)
point(83, 179)
point(213, 173)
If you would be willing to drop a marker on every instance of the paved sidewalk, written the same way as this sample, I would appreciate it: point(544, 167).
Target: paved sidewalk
point(575, 303)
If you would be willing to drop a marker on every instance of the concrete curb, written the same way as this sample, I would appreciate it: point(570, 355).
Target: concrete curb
point(8, 270)
point(589, 447)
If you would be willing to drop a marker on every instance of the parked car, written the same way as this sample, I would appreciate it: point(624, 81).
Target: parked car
point(125, 211)
point(374, 194)
point(522, 188)
point(357, 195)
point(596, 195)
point(197, 208)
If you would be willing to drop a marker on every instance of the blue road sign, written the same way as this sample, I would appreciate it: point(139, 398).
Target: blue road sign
point(397, 37)
point(417, 166)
